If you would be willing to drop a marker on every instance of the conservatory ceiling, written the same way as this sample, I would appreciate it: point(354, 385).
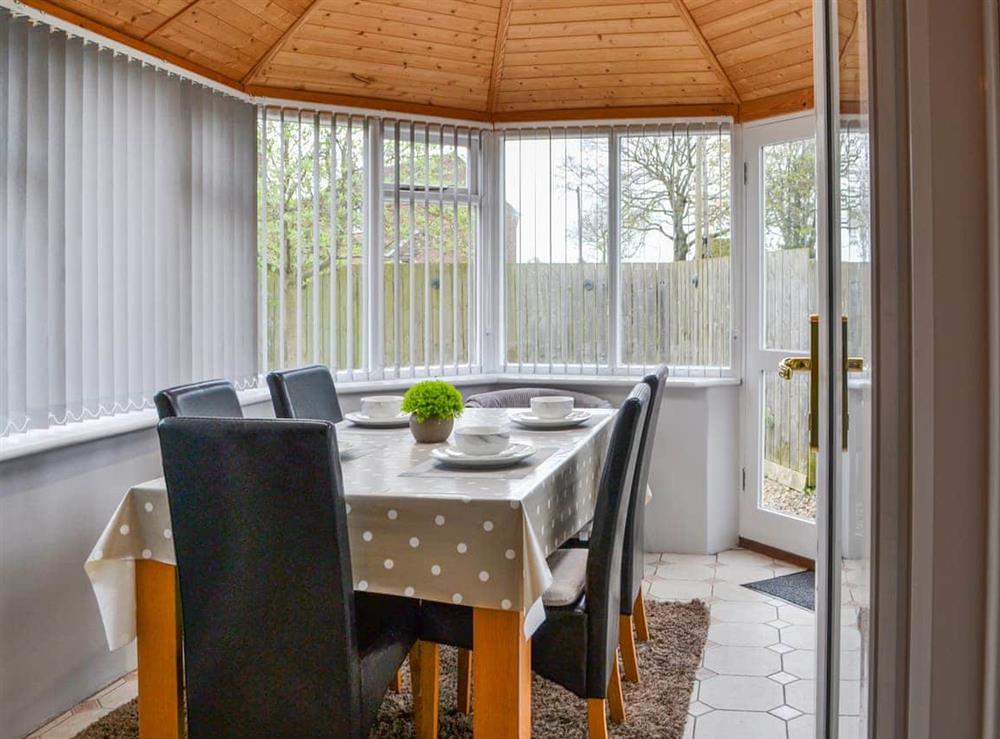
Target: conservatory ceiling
point(491, 60)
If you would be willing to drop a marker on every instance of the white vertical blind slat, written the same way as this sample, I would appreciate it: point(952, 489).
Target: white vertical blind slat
point(126, 231)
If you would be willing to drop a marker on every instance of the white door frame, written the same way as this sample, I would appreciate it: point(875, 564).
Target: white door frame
point(779, 530)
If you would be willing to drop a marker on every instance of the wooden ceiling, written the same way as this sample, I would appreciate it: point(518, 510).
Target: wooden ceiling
point(496, 60)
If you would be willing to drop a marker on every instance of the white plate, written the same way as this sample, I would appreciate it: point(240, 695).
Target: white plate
point(529, 420)
point(360, 419)
point(507, 458)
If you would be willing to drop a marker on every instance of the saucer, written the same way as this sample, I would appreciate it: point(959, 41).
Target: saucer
point(360, 419)
point(529, 420)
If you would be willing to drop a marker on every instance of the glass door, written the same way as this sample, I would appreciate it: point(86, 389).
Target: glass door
point(778, 505)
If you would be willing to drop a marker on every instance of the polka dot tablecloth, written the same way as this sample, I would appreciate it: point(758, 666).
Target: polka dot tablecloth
point(469, 537)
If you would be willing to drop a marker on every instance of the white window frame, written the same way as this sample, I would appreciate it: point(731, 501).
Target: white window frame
point(615, 130)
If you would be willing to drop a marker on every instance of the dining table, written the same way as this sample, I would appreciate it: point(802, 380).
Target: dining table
point(473, 537)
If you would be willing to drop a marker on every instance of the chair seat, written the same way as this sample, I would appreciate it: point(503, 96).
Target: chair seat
point(569, 573)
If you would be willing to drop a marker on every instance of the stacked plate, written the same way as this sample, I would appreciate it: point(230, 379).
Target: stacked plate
point(453, 457)
point(362, 419)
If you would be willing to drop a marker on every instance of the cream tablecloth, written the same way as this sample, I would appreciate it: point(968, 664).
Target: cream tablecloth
point(474, 538)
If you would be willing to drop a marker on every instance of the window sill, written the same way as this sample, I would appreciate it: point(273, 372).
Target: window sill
point(37, 442)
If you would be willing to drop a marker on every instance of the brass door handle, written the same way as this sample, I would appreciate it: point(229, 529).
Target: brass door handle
point(790, 365)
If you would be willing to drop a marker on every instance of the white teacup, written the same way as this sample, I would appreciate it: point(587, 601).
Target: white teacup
point(552, 406)
point(381, 407)
point(481, 440)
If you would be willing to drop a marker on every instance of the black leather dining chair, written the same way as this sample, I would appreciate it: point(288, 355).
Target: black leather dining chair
point(306, 392)
point(276, 642)
point(520, 397)
point(213, 398)
point(577, 644)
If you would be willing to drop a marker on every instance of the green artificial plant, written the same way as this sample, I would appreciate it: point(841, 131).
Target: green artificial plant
point(433, 399)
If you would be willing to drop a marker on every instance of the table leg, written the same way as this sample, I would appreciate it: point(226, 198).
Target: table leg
point(501, 675)
point(159, 650)
point(425, 677)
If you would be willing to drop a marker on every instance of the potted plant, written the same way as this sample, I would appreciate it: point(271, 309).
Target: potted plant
point(433, 406)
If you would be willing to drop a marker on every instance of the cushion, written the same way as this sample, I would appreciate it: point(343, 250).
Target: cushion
point(569, 573)
point(520, 397)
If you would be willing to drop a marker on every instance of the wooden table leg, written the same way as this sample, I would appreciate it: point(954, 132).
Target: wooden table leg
point(464, 692)
point(501, 675)
point(425, 677)
point(159, 650)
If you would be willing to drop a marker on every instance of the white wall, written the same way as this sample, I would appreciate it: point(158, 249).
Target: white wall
point(54, 505)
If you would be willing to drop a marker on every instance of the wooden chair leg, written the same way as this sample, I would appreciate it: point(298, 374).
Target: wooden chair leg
point(597, 718)
point(464, 680)
point(639, 612)
point(626, 642)
point(397, 683)
point(425, 674)
point(616, 700)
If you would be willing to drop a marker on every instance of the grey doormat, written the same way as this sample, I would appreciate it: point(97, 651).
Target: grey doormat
point(656, 707)
point(799, 588)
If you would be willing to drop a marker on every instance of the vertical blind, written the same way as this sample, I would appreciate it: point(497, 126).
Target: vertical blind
point(617, 248)
point(127, 220)
point(368, 241)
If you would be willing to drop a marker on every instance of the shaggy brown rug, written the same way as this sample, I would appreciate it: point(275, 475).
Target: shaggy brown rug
point(656, 707)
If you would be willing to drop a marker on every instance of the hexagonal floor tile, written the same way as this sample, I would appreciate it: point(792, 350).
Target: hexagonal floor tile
point(672, 571)
point(744, 557)
point(741, 724)
point(743, 612)
point(796, 615)
point(679, 589)
point(688, 559)
point(741, 574)
point(799, 637)
point(803, 727)
point(733, 592)
point(741, 693)
point(801, 695)
point(801, 663)
point(746, 661)
point(742, 635)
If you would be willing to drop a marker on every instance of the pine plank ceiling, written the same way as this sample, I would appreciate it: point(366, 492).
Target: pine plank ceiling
point(493, 60)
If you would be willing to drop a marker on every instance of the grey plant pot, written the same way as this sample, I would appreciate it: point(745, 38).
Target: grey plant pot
point(431, 431)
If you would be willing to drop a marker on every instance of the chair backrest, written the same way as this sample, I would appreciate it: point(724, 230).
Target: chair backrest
point(632, 554)
point(520, 397)
point(604, 562)
point(305, 393)
point(260, 533)
point(213, 398)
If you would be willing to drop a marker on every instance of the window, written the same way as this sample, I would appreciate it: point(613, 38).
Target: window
point(126, 231)
point(617, 249)
point(395, 294)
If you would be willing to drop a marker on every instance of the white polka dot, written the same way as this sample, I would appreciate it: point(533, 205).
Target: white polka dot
point(408, 592)
point(367, 536)
point(97, 554)
point(484, 576)
point(392, 514)
point(456, 598)
point(435, 570)
point(124, 529)
point(510, 554)
point(439, 520)
point(414, 542)
point(505, 604)
point(347, 506)
point(389, 564)
point(462, 548)
point(466, 499)
point(148, 507)
point(487, 526)
point(168, 534)
point(363, 585)
point(147, 553)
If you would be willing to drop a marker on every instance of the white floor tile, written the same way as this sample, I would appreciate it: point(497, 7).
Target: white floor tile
point(743, 612)
point(799, 637)
point(731, 692)
point(673, 571)
point(744, 557)
point(796, 615)
point(688, 559)
point(735, 592)
point(803, 727)
point(801, 663)
point(748, 661)
point(742, 635)
point(742, 574)
point(679, 590)
point(739, 725)
point(74, 724)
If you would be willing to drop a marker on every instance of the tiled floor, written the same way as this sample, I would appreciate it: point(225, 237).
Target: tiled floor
point(757, 679)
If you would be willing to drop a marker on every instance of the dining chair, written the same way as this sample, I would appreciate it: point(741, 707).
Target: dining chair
point(633, 608)
point(213, 398)
point(276, 641)
point(306, 392)
point(520, 397)
point(577, 644)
